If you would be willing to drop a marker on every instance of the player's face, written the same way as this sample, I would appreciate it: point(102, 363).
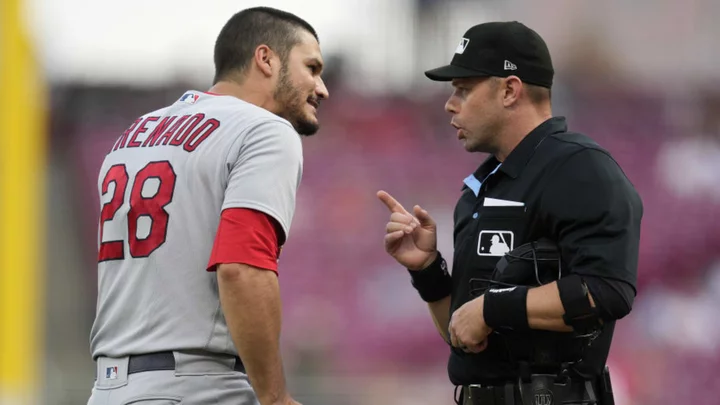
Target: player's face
point(300, 87)
point(477, 109)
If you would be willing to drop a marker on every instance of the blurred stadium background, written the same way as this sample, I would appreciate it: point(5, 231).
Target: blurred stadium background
point(640, 77)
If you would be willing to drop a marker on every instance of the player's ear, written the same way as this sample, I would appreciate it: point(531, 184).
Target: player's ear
point(264, 59)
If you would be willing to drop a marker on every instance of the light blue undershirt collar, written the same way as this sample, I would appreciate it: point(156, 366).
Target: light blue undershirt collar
point(474, 184)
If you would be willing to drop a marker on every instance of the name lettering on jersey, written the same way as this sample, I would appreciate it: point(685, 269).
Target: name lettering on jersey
point(189, 126)
point(165, 138)
point(141, 130)
point(201, 134)
point(121, 142)
point(188, 131)
point(159, 130)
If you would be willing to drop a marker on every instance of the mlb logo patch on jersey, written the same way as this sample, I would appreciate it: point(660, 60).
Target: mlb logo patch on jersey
point(495, 243)
point(111, 373)
point(189, 98)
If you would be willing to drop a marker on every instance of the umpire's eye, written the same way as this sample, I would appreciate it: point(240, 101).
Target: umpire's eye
point(461, 92)
point(314, 69)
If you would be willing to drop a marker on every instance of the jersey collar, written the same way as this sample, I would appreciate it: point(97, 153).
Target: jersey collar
point(518, 158)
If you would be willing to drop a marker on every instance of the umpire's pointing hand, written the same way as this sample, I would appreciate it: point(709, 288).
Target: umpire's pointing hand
point(410, 239)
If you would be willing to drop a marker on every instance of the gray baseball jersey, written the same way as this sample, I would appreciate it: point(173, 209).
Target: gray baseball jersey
point(162, 190)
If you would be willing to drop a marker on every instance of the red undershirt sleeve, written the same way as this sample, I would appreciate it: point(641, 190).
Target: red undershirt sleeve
point(246, 236)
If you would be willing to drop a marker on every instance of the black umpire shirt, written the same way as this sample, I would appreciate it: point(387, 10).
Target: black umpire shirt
point(559, 185)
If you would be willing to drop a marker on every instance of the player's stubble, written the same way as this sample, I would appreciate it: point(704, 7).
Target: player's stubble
point(293, 102)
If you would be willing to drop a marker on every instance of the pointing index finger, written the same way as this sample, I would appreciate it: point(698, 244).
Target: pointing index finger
point(391, 203)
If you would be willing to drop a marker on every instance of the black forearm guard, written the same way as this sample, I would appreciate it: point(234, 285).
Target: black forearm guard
point(433, 282)
point(579, 314)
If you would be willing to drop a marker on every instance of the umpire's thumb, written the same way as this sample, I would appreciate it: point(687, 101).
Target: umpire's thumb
point(425, 219)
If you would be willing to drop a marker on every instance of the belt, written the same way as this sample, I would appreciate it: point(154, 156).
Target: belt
point(490, 395)
point(163, 361)
point(544, 394)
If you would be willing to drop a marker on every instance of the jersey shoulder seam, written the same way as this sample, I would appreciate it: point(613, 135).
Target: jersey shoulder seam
point(251, 126)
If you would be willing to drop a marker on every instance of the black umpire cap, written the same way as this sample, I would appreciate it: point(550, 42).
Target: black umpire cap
point(499, 49)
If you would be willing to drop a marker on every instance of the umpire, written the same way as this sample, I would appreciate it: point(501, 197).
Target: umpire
point(546, 235)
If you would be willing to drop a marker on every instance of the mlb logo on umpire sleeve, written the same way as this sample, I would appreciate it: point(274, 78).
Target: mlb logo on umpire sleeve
point(495, 243)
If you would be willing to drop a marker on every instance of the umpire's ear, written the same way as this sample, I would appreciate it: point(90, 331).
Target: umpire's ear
point(511, 88)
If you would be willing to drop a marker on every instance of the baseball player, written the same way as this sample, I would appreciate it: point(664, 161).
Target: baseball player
point(197, 200)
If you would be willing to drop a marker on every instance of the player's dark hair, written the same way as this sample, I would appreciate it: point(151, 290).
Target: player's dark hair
point(250, 28)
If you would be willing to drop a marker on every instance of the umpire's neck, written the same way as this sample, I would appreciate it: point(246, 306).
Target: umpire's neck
point(519, 122)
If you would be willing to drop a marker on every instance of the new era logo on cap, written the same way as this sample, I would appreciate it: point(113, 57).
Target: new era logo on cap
point(462, 45)
point(509, 65)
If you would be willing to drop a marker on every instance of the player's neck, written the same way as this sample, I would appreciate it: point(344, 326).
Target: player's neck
point(245, 92)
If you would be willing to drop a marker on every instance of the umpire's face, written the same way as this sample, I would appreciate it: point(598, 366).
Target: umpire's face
point(300, 88)
point(478, 112)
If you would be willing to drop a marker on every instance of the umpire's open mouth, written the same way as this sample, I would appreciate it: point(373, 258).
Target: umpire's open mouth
point(313, 102)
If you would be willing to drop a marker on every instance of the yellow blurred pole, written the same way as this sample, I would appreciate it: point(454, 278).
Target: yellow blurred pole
point(22, 210)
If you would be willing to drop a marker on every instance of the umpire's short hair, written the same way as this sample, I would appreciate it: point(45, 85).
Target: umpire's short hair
point(250, 28)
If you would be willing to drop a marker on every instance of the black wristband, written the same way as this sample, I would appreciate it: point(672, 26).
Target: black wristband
point(506, 308)
point(433, 282)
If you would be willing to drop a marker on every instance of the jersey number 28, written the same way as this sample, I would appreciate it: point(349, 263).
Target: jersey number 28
point(140, 206)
